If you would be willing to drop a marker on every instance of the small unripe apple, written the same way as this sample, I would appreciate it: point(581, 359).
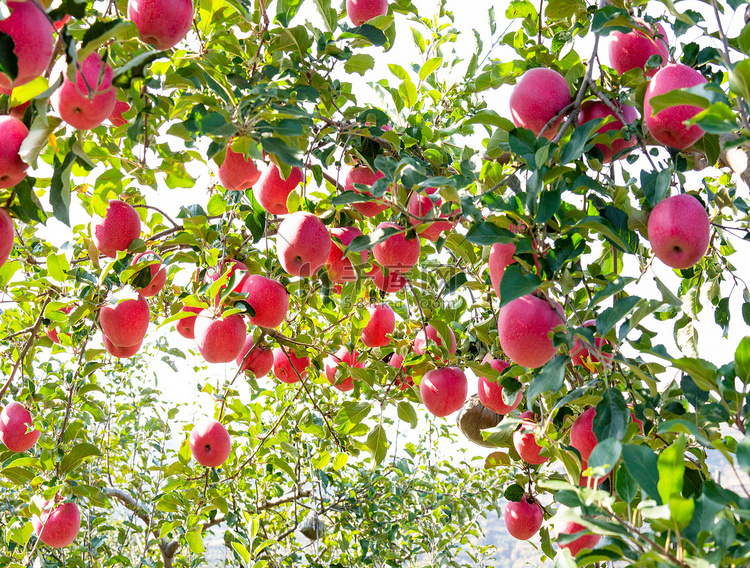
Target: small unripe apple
point(667, 126)
point(120, 352)
point(633, 49)
point(12, 168)
point(501, 256)
point(582, 436)
point(591, 110)
point(272, 191)
point(491, 394)
point(444, 390)
point(396, 253)
point(210, 443)
point(58, 526)
point(679, 231)
point(15, 421)
point(238, 173)
point(269, 298)
point(116, 118)
point(33, 41)
point(185, 326)
point(125, 323)
point(219, 339)
point(119, 227)
point(524, 327)
point(7, 233)
point(161, 23)
point(340, 269)
point(365, 176)
point(421, 206)
point(393, 283)
point(584, 541)
point(302, 244)
point(259, 361)
point(420, 341)
point(332, 363)
point(360, 11)
point(525, 442)
point(289, 369)
point(381, 325)
point(523, 518)
point(86, 103)
point(538, 96)
point(158, 273)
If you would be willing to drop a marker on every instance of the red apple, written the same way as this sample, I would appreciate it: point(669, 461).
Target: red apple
point(332, 363)
point(289, 369)
point(238, 173)
point(7, 233)
point(269, 299)
point(421, 206)
point(637, 422)
point(679, 231)
point(491, 394)
point(119, 227)
point(219, 339)
point(591, 110)
point(444, 390)
point(403, 380)
point(525, 442)
point(120, 352)
point(667, 126)
point(185, 326)
point(58, 25)
point(501, 256)
point(397, 253)
point(340, 269)
point(230, 267)
point(19, 111)
point(632, 50)
point(79, 107)
point(538, 96)
point(579, 353)
point(584, 541)
point(302, 244)
point(420, 341)
point(382, 323)
point(210, 443)
point(524, 327)
point(125, 323)
point(272, 191)
point(53, 333)
point(12, 168)
point(365, 176)
point(57, 526)
point(162, 23)
point(587, 481)
point(15, 424)
point(392, 284)
point(259, 361)
point(158, 273)
point(582, 436)
point(116, 118)
point(523, 518)
point(33, 41)
point(360, 11)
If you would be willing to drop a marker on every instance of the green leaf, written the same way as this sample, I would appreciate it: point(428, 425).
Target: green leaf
point(37, 138)
point(548, 379)
point(194, 540)
point(681, 511)
point(75, 456)
point(514, 493)
point(743, 453)
point(642, 465)
point(605, 454)
point(366, 242)
point(655, 185)
point(625, 486)
point(351, 414)
point(407, 413)
point(135, 68)
point(99, 33)
point(359, 63)
point(516, 283)
point(369, 32)
point(455, 282)
point(577, 143)
point(486, 233)
point(59, 195)
point(742, 360)
point(330, 17)
point(611, 418)
point(611, 316)
point(496, 459)
point(671, 465)
point(430, 66)
point(377, 443)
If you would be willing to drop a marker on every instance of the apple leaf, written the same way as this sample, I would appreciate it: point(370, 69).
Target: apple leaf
point(487, 233)
point(605, 455)
point(59, 195)
point(671, 465)
point(611, 418)
point(359, 63)
point(548, 379)
point(516, 283)
point(75, 456)
point(514, 493)
point(377, 443)
point(407, 413)
point(366, 242)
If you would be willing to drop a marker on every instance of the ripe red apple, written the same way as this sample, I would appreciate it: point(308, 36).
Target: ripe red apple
point(12, 168)
point(501, 256)
point(667, 126)
point(491, 394)
point(162, 23)
point(365, 176)
point(396, 253)
point(282, 367)
point(19, 111)
point(582, 436)
point(404, 381)
point(302, 244)
point(119, 227)
point(420, 341)
point(679, 231)
point(7, 230)
point(578, 353)
point(259, 361)
point(269, 299)
point(523, 518)
point(360, 11)
point(219, 339)
point(81, 108)
point(210, 443)
point(33, 41)
point(332, 363)
point(238, 173)
point(444, 390)
point(272, 191)
point(120, 352)
point(185, 326)
point(53, 333)
point(125, 323)
point(524, 327)
point(57, 526)
point(158, 273)
point(584, 541)
point(591, 110)
point(15, 422)
point(637, 422)
point(525, 442)
point(58, 25)
point(538, 96)
point(382, 323)
point(340, 269)
point(116, 118)
point(393, 283)
point(631, 50)
point(421, 206)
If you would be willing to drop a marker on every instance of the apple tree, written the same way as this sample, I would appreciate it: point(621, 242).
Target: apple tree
point(249, 255)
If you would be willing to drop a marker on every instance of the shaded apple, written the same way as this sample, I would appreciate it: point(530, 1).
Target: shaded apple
point(257, 360)
point(537, 97)
point(524, 327)
point(397, 253)
point(230, 267)
point(340, 268)
point(272, 191)
point(523, 518)
point(289, 369)
point(17, 428)
point(679, 231)
point(381, 325)
point(421, 206)
point(420, 341)
point(158, 273)
point(268, 298)
point(582, 436)
point(525, 442)
point(365, 176)
point(58, 25)
point(579, 352)
point(633, 49)
point(389, 284)
point(33, 41)
point(116, 118)
point(119, 227)
point(491, 394)
point(403, 380)
point(161, 23)
point(12, 168)
point(219, 339)
point(210, 443)
point(444, 390)
point(360, 11)
point(86, 103)
point(237, 173)
point(302, 244)
point(591, 110)
point(7, 234)
point(332, 364)
point(125, 323)
point(185, 326)
point(586, 540)
point(501, 256)
point(57, 526)
point(120, 352)
point(52, 333)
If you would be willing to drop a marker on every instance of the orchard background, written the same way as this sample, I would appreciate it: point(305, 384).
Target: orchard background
point(345, 462)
